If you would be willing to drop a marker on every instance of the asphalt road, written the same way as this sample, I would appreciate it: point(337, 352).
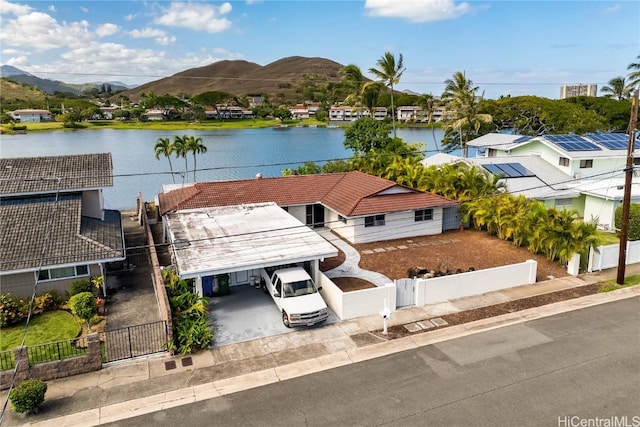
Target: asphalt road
point(565, 370)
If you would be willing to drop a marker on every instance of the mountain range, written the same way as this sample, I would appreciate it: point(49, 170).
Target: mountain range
point(279, 79)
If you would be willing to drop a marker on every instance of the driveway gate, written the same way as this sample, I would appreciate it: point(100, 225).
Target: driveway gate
point(134, 341)
point(405, 292)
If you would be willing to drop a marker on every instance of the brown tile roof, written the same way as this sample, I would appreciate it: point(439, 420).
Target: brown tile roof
point(350, 194)
point(31, 175)
point(71, 238)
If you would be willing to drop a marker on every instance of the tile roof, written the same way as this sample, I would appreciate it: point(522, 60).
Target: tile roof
point(350, 194)
point(71, 238)
point(30, 175)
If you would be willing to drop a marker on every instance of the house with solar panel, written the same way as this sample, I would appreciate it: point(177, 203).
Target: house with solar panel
point(585, 173)
point(54, 228)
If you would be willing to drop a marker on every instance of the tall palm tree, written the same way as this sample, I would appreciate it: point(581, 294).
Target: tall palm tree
point(634, 76)
point(389, 72)
point(165, 148)
point(618, 88)
point(361, 93)
point(460, 96)
point(195, 146)
point(427, 103)
point(181, 150)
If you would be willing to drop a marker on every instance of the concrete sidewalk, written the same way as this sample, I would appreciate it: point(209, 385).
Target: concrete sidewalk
point(132, 388)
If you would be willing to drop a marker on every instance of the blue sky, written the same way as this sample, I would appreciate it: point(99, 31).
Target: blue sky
point(504, 47)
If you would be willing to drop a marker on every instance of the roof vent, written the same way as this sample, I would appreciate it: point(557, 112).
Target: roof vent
point(258, 175)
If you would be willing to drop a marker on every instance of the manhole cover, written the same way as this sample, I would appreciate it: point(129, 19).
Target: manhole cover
point(187, 361)
point(169, 365)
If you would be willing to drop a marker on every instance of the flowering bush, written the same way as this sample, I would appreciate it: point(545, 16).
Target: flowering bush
point(12, 310)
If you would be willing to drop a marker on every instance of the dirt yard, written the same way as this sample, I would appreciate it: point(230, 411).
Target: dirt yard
point(453, 250)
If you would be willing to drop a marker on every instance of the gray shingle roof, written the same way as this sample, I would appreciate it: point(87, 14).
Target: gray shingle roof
point(31, 175)
point(72, 238)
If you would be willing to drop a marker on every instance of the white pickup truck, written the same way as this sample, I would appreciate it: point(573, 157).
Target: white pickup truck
point(296, 296)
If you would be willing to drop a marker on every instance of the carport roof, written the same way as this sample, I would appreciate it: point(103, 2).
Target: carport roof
point(224, 239)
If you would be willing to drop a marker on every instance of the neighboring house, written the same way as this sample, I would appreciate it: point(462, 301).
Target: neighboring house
point(154, 115)
point(408, 113)
point(349, 114)
point(299, 111)
point(107, 112)
point(360, 208)
point(236, 242)
point(53, 225)
point(31, 116)
point(593, 163)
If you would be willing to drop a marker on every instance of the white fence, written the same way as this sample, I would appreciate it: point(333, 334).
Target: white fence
point(348, 305)
point(445, 288)
point(607, 256)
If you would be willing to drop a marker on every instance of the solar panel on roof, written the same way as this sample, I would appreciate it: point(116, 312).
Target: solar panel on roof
point(612, 141)
point(521, 139)
point(508, 170)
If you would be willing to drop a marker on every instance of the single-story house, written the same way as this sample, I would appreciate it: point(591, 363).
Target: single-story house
point(361, 208)
point(53, 225)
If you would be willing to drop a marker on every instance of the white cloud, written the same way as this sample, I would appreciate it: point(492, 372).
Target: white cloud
point(84, 9)
point(106, 30)
point(196, 16)
point(254, 1)
point(41, 32)
point(129, 17)
point(161, 37)
point(13, 8)
point(610, 10)
point(18, 61)
point(12, 51)
point(52, 8)
point(417, 10)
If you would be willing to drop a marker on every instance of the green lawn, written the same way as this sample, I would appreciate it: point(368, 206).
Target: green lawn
point(607, 238)
point(44, 328)
point(611, 285)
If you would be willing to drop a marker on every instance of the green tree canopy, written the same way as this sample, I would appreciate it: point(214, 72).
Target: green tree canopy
point(365, 134)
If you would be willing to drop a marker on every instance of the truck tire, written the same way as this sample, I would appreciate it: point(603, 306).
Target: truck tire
point(285, 320)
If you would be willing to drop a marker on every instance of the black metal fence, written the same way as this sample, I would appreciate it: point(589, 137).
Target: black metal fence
point(7, 360)
point(59, 350)
point(134, 341)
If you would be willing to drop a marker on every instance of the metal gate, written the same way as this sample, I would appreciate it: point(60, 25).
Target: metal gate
point(405, 292)
point(134, 341)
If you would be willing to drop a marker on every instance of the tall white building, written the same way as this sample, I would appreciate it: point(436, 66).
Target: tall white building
point(578, 89)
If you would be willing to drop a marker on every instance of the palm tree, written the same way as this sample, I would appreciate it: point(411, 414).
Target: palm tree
point(461, 99)
point(165, 148)
point(427, 103)
point(617, 88)
point(181, 150)
point(634, 76)
point(389, 73)
point(196, 146)
point(361, 92)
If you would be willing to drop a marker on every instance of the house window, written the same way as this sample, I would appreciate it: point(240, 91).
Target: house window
point(63, 273)
point(424, 215)
point(492, 152)
point(563, 161)
point(636, 161)
point(374, 221)
point(563, 202)
point(342, 219)
point(584, 164)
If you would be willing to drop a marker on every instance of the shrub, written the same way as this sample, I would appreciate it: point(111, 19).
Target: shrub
point(28, 395)
point(79, 286)
point(84, 306)
point(12, 310)
point(634, 221)
point(44, 302)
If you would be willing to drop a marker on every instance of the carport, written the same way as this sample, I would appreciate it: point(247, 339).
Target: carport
point(210, 243)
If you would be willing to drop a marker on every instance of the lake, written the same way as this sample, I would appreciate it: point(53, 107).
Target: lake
point(231, 154)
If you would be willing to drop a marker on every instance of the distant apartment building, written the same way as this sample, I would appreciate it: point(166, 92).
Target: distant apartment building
point(578, 89)
point(30, 116)
point(348, 114)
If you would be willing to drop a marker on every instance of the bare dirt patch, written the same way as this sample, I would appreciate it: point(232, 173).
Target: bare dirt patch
point(454, 250)
point(347, 284)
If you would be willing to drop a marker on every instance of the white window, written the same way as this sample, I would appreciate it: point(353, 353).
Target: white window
point(584, 164)
point(374, 221)
point(424, 215)
point(63, 273)
point(563, 161)
point(563, 202)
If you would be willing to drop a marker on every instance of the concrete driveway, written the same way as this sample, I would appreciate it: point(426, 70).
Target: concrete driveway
point(247, 314)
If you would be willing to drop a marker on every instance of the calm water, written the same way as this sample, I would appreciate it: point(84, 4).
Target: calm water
point(231, 154)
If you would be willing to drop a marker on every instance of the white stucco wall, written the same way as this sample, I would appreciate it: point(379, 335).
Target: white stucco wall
point(349, 305)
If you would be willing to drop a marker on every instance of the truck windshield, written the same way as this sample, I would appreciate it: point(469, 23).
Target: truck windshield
point(302, 287)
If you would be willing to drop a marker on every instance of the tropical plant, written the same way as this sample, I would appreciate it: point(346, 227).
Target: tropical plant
point(633, 232)
point(180, 147)
point(389, 72)
point(84, 306)
point(427, 103)
point(634, 74)
point(28, 396)
point(195, 146)
point(617, 88)
point(463, 103)
point(12, 310)
point(165, 148)
point(79, 286)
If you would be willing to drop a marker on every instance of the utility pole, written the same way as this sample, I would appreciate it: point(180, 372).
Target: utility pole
point(626, 202)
